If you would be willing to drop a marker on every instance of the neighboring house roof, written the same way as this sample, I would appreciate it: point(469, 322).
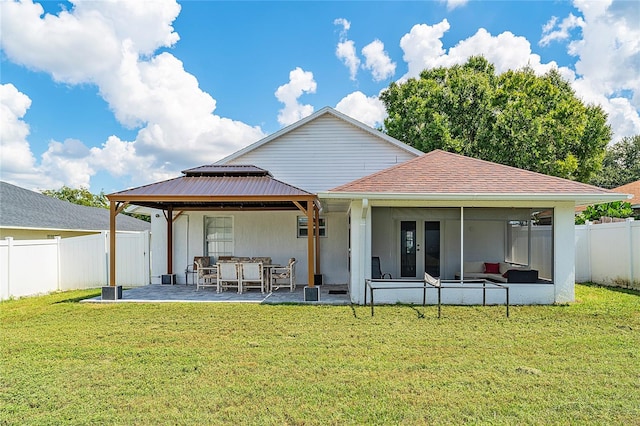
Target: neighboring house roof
point(24, 209)
point(315, 115)
point(632, 188)
point(237, 186)
point(444, 175)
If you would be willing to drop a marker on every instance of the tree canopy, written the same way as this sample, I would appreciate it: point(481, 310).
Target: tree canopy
point(80, 196)
point(84, 197)
point(516, 118)
point(621, 164)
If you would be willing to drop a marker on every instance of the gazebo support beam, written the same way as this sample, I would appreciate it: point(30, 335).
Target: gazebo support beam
point(113, 291)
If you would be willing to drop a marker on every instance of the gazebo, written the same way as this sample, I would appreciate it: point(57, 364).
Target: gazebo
point(216, 187)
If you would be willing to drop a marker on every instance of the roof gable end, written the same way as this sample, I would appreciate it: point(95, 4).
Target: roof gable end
point(321, 112)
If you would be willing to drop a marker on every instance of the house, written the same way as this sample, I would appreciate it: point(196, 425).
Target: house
point(28, 215)
point(333, 193)
point(632, 188)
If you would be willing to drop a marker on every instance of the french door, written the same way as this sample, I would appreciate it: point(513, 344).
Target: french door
point(419, 248)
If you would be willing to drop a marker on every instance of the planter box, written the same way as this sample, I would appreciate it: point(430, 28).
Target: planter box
point(311, 294)
point(112, 293)
point(169, 279)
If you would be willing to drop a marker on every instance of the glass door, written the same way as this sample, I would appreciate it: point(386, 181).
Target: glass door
point(408, 241)
point(432, 248)
point(413, 262)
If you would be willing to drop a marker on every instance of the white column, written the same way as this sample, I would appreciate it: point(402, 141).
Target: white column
point(360, 249)
point(564, 252)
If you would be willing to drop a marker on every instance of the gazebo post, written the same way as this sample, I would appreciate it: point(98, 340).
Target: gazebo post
point(169, 277)
point(112, 291)
point(317, 278)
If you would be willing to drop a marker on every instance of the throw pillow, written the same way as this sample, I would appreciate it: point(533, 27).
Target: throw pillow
point(491, 268)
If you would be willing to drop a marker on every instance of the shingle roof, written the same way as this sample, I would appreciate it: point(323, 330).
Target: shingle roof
point(632, 188)
point(21, 208)
point(440, 172)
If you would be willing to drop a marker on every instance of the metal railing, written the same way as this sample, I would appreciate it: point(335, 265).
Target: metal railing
point(374, 284)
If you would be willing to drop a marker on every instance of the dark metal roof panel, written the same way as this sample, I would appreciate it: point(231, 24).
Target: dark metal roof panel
point(227, 170)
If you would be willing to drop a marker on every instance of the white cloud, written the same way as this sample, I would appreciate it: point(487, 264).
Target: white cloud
point(344, 24)
point(606, 72)
point(346, 52)
point(378, 61)
point(553, 31)
point(17, 163)
point(300, 82)
point(346, 49)
point(368, 110)
point(423, 49)
point(16, 154)
point(111, 45)
point(453, 4)
point(421, 46)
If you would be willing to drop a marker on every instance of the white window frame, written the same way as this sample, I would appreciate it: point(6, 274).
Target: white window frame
point(302, 228)
point(222, 240)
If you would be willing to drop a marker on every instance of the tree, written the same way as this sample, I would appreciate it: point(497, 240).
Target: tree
point(80, 196)
point(621, 164)
point(83, 197)
point(515, 118)
point(619, 209)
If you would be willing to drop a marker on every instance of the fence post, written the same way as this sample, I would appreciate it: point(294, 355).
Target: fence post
point(589, 259)
point(631, 258)
point(58, 286)
point(9, 266)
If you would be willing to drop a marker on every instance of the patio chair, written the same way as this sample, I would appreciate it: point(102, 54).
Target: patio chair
point(228, 276)
point(206, 275)
point(286, 275)
point(252, 276)
point(192, 269)
point(376, 272)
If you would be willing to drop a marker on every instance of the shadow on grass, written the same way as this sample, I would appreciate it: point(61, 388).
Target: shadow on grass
point(611, 288)
point(79, 298)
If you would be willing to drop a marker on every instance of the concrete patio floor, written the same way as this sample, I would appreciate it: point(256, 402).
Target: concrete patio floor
point(157, 293)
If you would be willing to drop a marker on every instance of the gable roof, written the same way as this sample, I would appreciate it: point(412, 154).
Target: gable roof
point(632, 188)
point(24, 209)
point(219, 186)
point(444, 175)
point(321, 112)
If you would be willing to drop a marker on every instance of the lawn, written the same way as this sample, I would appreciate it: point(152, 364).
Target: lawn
point(64, 362)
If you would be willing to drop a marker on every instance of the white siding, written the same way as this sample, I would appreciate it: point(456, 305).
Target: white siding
point(324, 153)
point(268, 233)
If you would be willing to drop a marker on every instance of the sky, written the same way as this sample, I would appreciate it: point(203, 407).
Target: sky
point(110, 95)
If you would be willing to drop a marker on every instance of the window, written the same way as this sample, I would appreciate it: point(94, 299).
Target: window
point(218, 236)
point(303, 227)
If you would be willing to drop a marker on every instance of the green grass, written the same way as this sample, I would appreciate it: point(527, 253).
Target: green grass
point(63, 362)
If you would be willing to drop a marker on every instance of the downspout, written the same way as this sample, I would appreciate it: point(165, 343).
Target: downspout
point(461, 244)
point(530, 244)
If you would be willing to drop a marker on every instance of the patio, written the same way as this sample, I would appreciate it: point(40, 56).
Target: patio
point(157, 293)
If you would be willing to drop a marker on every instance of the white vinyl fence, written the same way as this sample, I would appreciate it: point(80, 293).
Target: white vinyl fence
point(29, 267)
point(609, 253)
